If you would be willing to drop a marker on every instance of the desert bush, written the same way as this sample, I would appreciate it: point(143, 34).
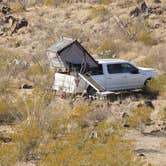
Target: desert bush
point(157, 85)
point(28, 135)
point(9, 113)
point(126, 3)
point(107, 49)
point(7, 58)
point(54, 2)
point(9, 154)
point(98, 12)
point(140, 116)
point(105, 2)
point(92, 147)
point(146, 38)
point(139, 31)
point(40, 74)
point(162, 115)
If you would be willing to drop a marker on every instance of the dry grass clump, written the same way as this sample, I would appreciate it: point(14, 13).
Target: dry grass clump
point(139, 31)
point(105, 2)
point(162, 115)
point(146, 38)
point(98, 12)
point(9, 154)
point(126, 3)
point(157, 85)
point(54, 2)
point(107, 49)
point(28, 135)
point(39, 74)
point(140, 116)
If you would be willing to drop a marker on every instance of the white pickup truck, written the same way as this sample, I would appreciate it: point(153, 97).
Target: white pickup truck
point(111, 75)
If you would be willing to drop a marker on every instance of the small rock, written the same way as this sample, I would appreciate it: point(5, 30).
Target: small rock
point(125, 115)
point(149, 104)
point(142, 155)
point(26, 86)
point(126, 125)
point(6, 10)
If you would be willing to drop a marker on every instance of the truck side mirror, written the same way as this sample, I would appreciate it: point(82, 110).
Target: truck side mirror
point(135, 71)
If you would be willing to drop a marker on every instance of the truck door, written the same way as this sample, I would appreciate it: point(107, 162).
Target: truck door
point(134, 78)
point(115, 78)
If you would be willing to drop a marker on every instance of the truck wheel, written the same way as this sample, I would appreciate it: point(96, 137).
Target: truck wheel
point(145, 88)
point(146, 82)
point(91, 91)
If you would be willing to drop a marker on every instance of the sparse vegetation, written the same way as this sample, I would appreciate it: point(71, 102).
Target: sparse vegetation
point(36, 125)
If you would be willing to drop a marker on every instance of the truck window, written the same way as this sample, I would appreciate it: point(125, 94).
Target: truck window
point(97, 70)
point(127, 68)
point(114, 68)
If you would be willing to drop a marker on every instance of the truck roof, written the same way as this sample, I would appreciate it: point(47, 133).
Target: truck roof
point(111, 61)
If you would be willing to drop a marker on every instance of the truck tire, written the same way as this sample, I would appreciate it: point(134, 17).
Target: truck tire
point(145, 83)
point(91, 91)
point(145, 88)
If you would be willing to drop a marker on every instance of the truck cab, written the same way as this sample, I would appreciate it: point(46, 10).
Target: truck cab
point(118, 74)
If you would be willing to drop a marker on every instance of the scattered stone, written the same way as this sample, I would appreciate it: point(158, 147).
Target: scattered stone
point(26, 86)
point(20, 24)
point(135, 13)
point(149, 104)
point(93, 134)
point(5, 139)
point(125, 115)
point(6, 10)
point(142, 155)
point(144, 7)
point(126, 125)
